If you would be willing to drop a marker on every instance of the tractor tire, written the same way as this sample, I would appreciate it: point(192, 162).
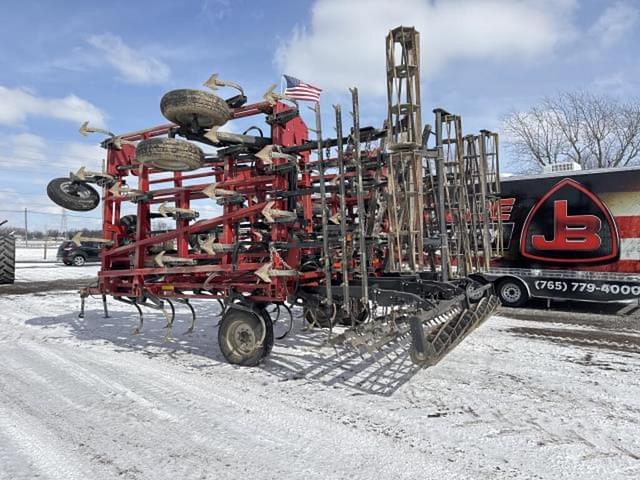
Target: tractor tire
point(169, 154)
point(184, 107)
point(7, 259)
point(239, 336)
point(512, 292)
point(76, 196)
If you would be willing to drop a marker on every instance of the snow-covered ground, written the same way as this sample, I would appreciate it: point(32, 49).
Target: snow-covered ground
point(31, 267)
point(37, 253)
point(33, 272)
point(83, 398)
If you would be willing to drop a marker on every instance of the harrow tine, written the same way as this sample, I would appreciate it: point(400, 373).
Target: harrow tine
point(138, 329)
point(104, 306)
point(222, 308)
point(170, 317)
point(193, 317)
point(82, 302)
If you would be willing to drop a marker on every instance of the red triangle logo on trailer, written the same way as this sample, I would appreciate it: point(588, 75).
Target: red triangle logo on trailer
point(570, 224)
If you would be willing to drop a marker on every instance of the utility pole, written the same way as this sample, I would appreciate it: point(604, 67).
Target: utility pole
point(26, 229)
point(63, 224)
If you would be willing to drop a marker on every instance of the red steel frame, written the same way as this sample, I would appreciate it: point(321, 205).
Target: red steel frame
point(127, 268)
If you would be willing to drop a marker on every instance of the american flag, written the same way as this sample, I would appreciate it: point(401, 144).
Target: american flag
point(301, 91)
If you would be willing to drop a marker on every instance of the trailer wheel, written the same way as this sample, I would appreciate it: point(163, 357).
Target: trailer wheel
point(76, 196)
point(242, 337)
point(512, 292)
point(169, 154)
point(7, 259)
point(184, 107)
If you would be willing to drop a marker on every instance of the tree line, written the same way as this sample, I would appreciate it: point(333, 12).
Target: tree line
point(595, 131)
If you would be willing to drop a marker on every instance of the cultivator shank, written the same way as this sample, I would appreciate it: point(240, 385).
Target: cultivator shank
point(374, 232)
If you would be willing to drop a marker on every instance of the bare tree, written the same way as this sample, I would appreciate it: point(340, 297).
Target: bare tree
point(595, 131)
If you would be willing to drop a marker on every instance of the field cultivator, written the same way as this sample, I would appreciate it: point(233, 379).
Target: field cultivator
point(375, 233)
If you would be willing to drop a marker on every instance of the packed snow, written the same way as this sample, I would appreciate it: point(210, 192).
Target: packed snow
point(31, 266)
point(84, 398)
point(37, 253)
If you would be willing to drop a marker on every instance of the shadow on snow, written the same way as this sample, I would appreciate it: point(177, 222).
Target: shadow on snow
point(302, 355)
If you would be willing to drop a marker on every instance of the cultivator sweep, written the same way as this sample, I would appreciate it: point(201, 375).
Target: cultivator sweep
point(376, 233)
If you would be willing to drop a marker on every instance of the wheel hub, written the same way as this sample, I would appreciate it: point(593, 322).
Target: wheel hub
point(244, 339)
point(511, 292)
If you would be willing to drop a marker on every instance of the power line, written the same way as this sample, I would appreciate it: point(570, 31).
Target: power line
point(22, 193)
point(49, 213)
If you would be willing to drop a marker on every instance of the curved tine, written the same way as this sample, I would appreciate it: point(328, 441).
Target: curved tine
point(138, 329)
point(170, 318)
point(104, 306)
point(193, 316)
point(290, 321)
point(222, 307)
point(82, 302)
point(278, 314)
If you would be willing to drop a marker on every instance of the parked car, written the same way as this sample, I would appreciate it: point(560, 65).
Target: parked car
point(71, 254)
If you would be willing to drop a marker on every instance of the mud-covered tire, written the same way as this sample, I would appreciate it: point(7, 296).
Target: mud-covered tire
point(7, 259)
point(76, 196)
point(169, 154)
point(184, 106)
point(239, 336)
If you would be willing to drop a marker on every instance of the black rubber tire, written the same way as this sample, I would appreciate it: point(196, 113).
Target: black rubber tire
point(323, 317)
point(184, 106)
point(129, 223)
point(169, 154)
point(78, 261)
point(76, 196)
point(238, 335)
point(512, 292)
point(472, 290)
point(358, 315)
point(269, 338)
point(7, 259)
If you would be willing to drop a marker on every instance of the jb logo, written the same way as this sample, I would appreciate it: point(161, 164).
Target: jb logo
point(571, 232)
point(569, 224)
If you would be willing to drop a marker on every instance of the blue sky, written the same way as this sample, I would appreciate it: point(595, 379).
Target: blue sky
point(110, 62)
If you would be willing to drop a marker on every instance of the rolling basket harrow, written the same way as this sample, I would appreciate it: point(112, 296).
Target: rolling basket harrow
point(376, 232)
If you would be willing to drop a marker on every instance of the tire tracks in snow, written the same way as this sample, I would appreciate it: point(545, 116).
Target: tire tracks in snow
point(213, 422)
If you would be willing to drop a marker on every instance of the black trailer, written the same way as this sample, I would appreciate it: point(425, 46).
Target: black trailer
point(572, 235)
